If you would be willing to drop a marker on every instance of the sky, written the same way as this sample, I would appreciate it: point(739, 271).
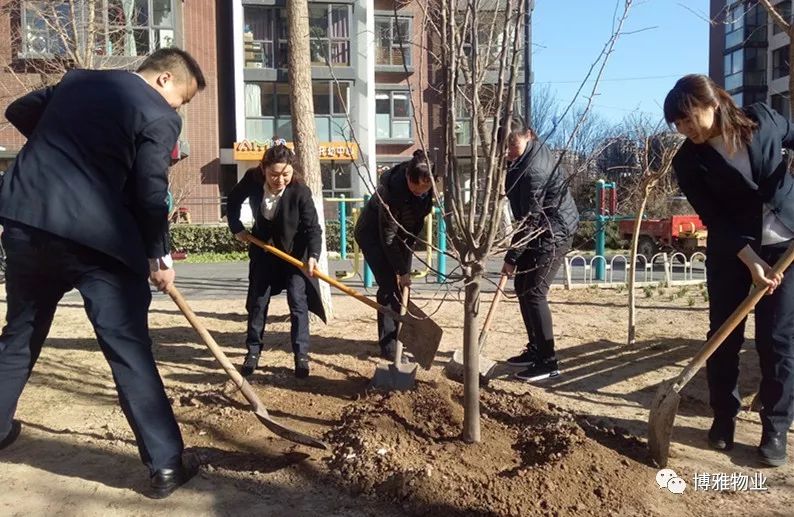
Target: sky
point(568, 36)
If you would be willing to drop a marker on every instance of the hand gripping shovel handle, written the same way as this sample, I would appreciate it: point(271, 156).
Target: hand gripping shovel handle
point(246, 389)
point(322, 276)
point(491, 311)
point(730, 324)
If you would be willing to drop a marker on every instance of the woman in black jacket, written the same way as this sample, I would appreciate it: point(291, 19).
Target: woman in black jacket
point(547, 219)
point(284, 217)
point(386, 231)
point(732, 170)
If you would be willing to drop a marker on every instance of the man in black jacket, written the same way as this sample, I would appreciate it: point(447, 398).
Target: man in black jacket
point(547, 219)
point(84, 206)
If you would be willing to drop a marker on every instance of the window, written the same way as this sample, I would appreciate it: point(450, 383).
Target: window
point(780, 103)
point(393, 41)
point(734, 64)
point(267, 111)
point(393, 115)
point(780, 64)
point(734, 26)
point(265, 37)
point(784, 9)
point(127, 28)
point(337, 179)
point(329, 33)
point(268, 115)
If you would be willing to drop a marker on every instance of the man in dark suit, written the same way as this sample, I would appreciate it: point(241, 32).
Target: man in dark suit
point(84, 206)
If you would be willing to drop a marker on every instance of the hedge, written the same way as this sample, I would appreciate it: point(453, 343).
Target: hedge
point(218, 239)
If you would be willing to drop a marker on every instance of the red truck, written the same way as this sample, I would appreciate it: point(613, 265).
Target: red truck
point(683, 233)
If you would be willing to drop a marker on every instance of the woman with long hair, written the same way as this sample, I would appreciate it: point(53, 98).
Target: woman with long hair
point(732, 170)
point(284, 217)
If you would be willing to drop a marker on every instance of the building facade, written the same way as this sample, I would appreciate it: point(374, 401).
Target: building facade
point(40, 39)
point(749, 54)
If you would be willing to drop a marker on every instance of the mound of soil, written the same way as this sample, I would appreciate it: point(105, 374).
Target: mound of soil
point(533, 458)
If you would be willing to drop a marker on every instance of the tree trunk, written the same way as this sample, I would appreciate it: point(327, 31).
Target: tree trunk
point(471, 357)
point(303, 128)
point(635, 239)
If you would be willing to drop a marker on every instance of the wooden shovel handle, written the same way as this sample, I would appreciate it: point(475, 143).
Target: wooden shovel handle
point(322, 276)
point(398, 352)
point(500, 287)
point(730, 324)
point(239, 380)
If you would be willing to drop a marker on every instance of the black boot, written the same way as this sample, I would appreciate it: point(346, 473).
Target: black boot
point(721, 433)
point(773, 449)
point(164, 481)
point(13, 434)
point(526, 358)
point(301, 366)
point(251, 362)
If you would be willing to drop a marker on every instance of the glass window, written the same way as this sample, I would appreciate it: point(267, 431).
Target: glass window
point(337, 178)
point(780, 64)
point(123, 27)
point(784, 9)
point(393, 40)
point(267, 110)
point(393, 115)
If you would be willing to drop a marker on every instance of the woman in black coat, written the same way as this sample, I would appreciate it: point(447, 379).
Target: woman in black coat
point(285, 217)
point(547, 219)
point(386, 231)
point(734, 174)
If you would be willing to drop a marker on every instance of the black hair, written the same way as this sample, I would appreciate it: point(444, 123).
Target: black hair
point(512, 129)
point(699, 91)
point(419, 168)
point(177, 61)
point(280, 153)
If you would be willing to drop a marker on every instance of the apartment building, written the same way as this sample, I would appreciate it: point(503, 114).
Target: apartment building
point(748, 53)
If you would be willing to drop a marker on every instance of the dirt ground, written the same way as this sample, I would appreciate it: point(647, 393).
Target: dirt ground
point(571, 446)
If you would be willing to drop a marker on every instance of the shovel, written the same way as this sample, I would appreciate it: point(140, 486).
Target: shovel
point(454, 367)
point(396, 376)
point(248, 392)
point(665, 404)
point(418, 332)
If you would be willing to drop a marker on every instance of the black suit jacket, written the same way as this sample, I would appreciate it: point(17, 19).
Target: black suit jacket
point(295, 228)
point(395, 226)
point(540, 199)
point(729, 205)
point(95, 167)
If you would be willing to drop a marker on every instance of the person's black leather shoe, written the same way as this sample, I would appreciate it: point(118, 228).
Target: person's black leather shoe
point(772, 450)
point(165, 481)
point(13, 434)
point(250, 363)
point(301, 367)
point(721, 433)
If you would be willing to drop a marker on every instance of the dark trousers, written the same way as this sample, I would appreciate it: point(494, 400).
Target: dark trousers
point(729, 283)
point(535, 270)
point(388, 293)
point(265, 272)
point(41, 268)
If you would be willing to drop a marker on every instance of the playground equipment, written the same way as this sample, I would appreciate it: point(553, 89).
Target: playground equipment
point(434, 220)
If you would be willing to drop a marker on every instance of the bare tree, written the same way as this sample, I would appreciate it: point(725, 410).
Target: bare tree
point(656, 161)
point(304, 130)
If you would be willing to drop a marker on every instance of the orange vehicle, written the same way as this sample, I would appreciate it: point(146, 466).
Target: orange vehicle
point(682, 233)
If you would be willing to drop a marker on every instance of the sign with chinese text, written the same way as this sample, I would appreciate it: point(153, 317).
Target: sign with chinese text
point(253, 150)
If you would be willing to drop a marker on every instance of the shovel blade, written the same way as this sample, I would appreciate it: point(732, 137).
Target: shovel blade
point(454, 368)
point(660, 422)
point(420, 335)
point(287, 433)
point(393, 377)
